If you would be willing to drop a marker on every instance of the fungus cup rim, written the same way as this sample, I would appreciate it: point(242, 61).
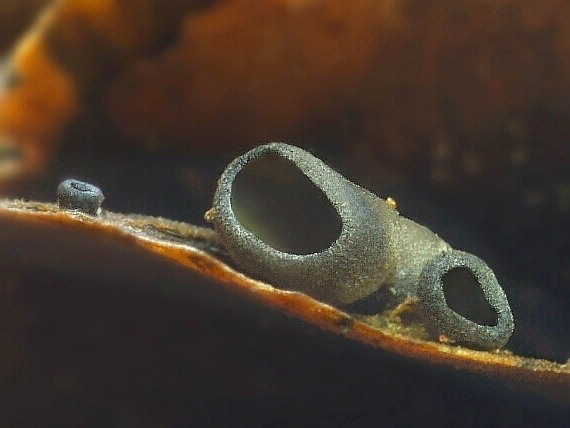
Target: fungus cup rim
point(449, 322)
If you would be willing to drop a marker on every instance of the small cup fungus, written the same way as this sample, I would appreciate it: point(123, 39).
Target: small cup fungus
point(285, 216)
point(78, 195)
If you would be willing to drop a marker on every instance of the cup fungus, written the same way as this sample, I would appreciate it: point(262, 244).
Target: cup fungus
point(78, 195)
point(490, 333)
point(285, 216)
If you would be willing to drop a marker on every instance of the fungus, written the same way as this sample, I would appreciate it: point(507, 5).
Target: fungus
point(285, 216)
point(487, 332)
point(78, 195)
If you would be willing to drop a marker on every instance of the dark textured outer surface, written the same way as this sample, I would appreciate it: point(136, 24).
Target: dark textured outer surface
point(358, 263)
point(452, 324)
point(74, 194)
point(377, 247)
point(416, 246)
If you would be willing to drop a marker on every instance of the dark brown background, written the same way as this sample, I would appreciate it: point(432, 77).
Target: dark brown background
point(467, 130)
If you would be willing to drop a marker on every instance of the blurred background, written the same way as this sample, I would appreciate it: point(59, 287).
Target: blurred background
point(457, 110)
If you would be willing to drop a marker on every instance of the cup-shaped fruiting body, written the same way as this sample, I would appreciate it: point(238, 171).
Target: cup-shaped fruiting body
point(285, 216)
point(77, 195)
point(490, 330)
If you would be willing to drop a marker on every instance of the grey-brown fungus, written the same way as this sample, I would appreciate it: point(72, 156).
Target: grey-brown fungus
point(285, 216)
point(77, 195)
point(488, 326)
